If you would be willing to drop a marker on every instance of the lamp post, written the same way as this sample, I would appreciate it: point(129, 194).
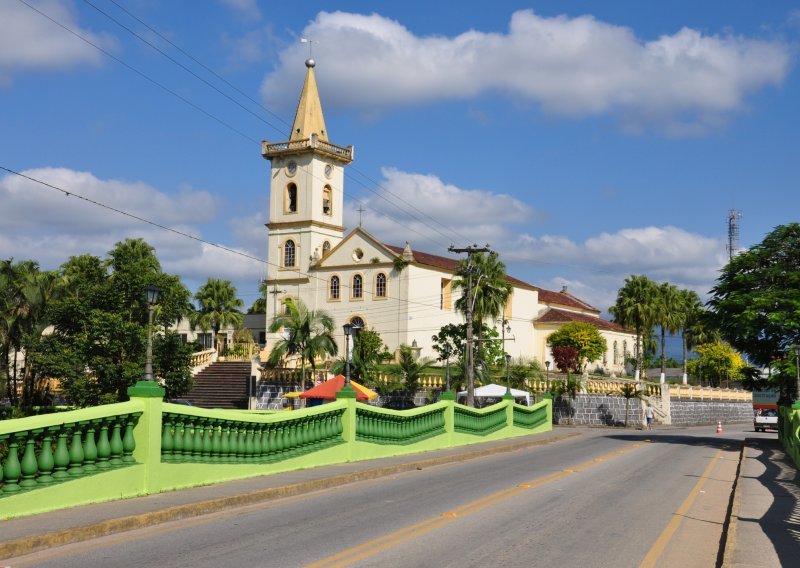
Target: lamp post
point(547, 371)
point(152, 293)
point(348, 329)
point(508, 380)
point(797, 371)
point(446, 351)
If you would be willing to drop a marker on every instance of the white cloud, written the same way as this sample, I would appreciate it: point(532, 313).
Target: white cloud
point(432, 214)
point(28, 40)
point(45, 225)
point(685, 82)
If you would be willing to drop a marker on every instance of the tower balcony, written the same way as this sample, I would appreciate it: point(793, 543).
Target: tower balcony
point(274, 149)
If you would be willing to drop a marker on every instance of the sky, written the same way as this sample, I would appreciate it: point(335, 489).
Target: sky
point(582, 141)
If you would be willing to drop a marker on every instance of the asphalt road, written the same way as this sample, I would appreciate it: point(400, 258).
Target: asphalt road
point(606, 498)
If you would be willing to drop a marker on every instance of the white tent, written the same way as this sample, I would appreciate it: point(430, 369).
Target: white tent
point(494, 390)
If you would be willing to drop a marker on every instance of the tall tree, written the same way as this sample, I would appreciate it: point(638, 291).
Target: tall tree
point(756, 301)
point(307, 334)
point(584, 337)
point(667, 316)
point(219, 306)
point(636, 307)
point(690, 309)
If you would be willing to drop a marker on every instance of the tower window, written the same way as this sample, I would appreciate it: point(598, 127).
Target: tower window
point(326, 248)
point(291, 198)
point(327, 207)
point(289, 254)
point(334, 288)
point(380, 285)
point(358, 286)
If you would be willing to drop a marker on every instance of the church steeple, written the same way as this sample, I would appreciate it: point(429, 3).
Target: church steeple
point(309, 120)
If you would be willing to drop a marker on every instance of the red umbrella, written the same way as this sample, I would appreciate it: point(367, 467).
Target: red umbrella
point(329, 388)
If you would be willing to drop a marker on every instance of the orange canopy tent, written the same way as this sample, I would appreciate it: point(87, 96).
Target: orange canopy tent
point(329, 388)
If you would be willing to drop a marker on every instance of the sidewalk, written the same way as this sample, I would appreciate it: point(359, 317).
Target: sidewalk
point(28, 534)
point(765, 521)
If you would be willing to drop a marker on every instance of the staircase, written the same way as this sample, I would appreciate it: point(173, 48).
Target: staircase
point(221, 385)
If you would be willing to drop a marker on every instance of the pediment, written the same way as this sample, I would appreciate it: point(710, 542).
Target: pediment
point(358, 249)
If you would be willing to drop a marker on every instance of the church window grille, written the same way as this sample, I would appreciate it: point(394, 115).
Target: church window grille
point(289, 254)
point(380, 285)
point(358, 322)
point(327, 203)
point(358, 286)
point(334, 292)
point(326, 248)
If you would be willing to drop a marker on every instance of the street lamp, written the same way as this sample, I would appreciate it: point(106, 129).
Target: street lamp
point(508, 380)
point(152, 293)
point(348, 329)
point(446, 352)
point(547, 370)
point(797, 370)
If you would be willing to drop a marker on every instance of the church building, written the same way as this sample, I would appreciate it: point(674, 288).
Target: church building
point(404, 294)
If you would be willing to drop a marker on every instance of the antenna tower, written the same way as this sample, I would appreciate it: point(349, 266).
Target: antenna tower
point(733, 232)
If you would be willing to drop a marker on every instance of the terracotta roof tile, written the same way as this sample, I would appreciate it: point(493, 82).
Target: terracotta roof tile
point(545, 296)
point(554, 315)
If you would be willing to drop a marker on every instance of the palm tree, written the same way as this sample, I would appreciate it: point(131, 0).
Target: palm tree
point(219, 307)
point(635, 307)
point(308, 334)
point(409, 369)
point(629, 391)
point(668, 314)
point(690, 307)
point(490, 292)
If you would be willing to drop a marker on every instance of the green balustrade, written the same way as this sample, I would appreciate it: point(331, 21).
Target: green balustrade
point(42, 456)
point(479, 423)
point(401, 429)
point(525, 417)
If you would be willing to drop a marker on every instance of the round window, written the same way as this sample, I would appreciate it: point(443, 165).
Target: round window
point(358, 254)
point(291, 168)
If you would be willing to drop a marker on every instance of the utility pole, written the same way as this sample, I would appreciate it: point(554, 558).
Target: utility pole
point(470, 250)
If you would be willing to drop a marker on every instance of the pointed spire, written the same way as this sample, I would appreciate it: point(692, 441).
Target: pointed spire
point(309, 120)
point(407, 254)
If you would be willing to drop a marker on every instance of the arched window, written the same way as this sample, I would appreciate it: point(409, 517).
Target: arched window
point(358, 322)
point(624, 352)
point(334, 288)
point(616, 354)
point(327, 203)
point(326, 248)
point(380, 285)
point(290, 201)
point(358, 286)
point(288, 254)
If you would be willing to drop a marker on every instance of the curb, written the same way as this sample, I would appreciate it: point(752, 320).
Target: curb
point(734, 508)
point(35, 543)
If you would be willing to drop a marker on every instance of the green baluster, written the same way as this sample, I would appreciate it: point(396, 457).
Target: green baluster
point(225, 441)
point(103, 447)
point(116, 441)
point(89, 447)
point(11, 469)
point(177, 452)
point(207, 441)
point(46, 462)
point(216, 441)
point(128, 441)
point(241, 445)
point(167, 439)
point(250, 444)
point(272, 442)
point(76, 451)
point(280, 441)
point(291, 442)
point(197, 445)
point(263, 443)
point(61, 456)
point(188, 438)
point(234, 442)
point(29, 466)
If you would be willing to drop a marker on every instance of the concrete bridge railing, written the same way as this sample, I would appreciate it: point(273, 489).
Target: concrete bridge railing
point(147, 446)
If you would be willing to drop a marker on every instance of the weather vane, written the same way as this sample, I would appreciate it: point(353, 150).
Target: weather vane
point(310, 43)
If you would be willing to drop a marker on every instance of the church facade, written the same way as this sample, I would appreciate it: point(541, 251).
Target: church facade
point(404, 294)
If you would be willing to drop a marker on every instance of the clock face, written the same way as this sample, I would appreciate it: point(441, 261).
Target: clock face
point(328, 170)
point(291, 168)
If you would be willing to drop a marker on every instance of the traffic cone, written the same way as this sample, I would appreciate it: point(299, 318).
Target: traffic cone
point(719, 427)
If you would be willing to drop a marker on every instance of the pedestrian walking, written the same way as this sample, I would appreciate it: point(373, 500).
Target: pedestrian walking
point(649, 414)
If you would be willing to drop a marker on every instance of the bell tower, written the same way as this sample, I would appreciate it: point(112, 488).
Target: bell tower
point(306, 191)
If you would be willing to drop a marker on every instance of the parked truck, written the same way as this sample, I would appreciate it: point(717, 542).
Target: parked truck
point(765, 410)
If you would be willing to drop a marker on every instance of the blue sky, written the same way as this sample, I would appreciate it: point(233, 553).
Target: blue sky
point(584, 141)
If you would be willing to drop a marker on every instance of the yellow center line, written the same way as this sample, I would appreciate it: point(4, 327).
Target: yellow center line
point(663, 539)
point(356, 553)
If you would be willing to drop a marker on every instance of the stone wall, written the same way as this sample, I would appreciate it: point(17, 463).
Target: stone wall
point(691, 413)
point(594, 410)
